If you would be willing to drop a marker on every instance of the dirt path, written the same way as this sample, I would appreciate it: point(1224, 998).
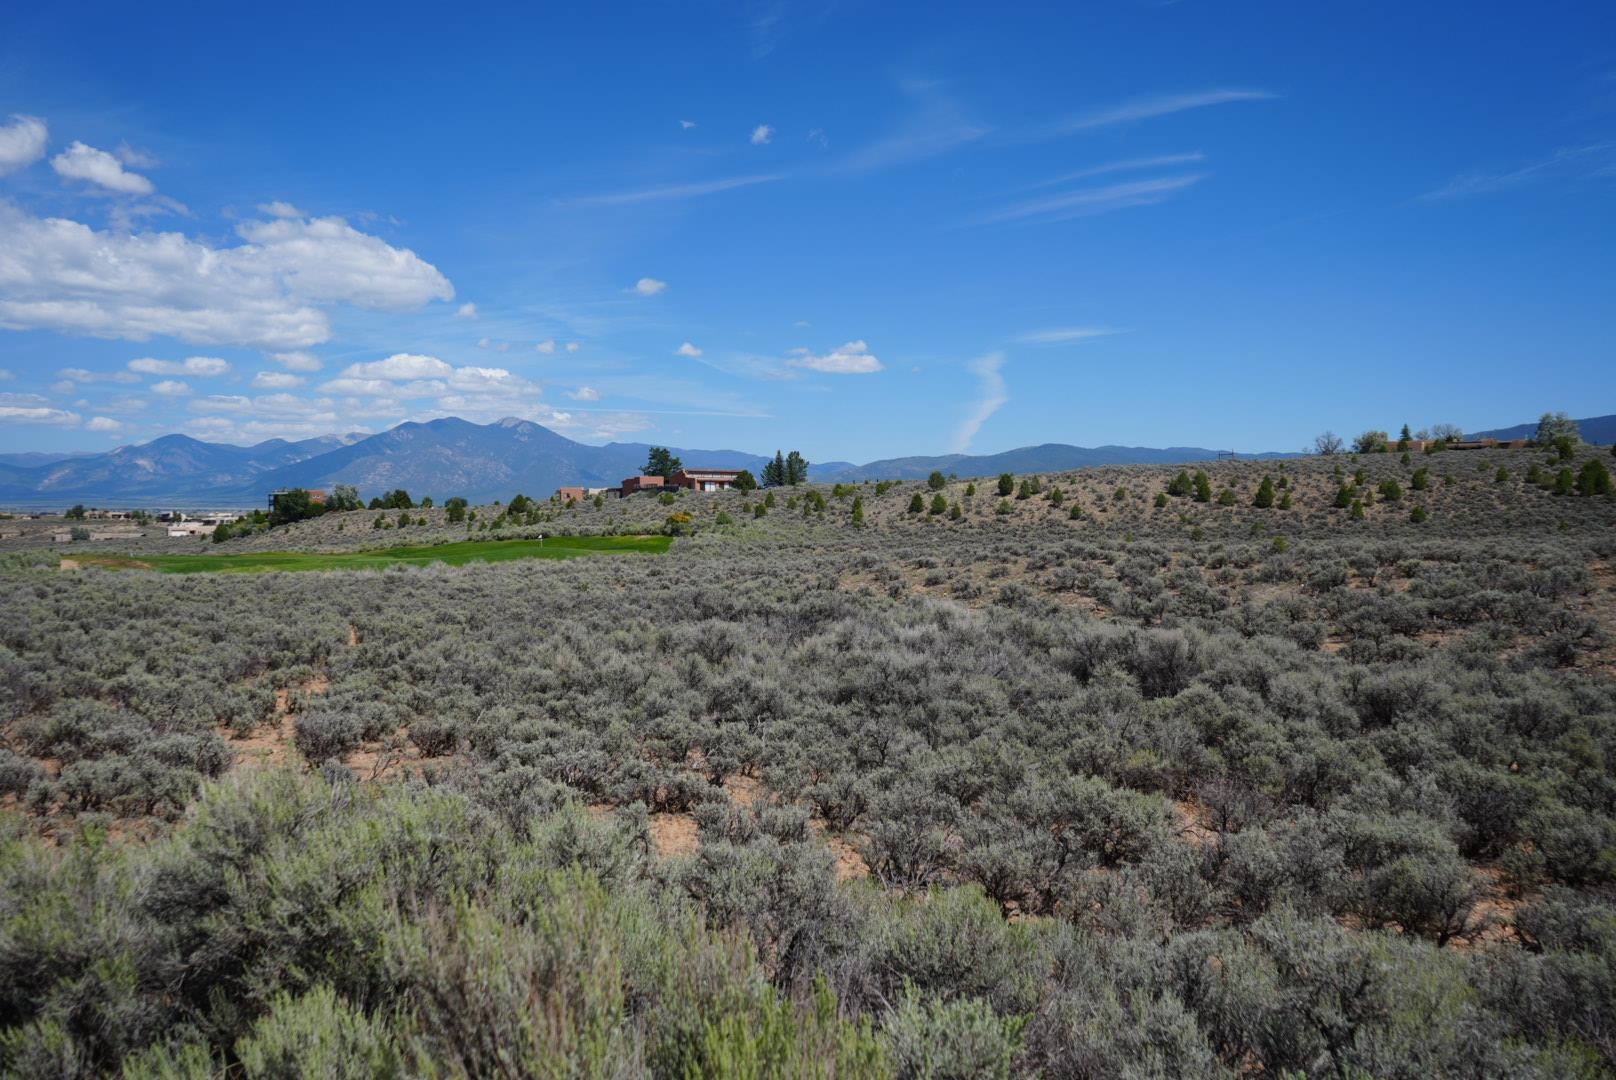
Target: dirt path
point(69, 564)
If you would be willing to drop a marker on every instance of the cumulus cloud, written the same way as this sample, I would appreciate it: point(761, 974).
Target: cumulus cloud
point(61, 275)
point(171, 388)
point(546, 347)
point(33, 409)
point(853, 358)
point(81, 375)
point(467, 310)
point(689, 349)
point(81, 162)
point(400, 366)
point(205, 367)
point(22, 142)
point(103, 423)
point(297, 361)
point(277, 380)
point(136, 159)
point(762, 135)
point(585, 393)
point(994, 393)
point(649, 286)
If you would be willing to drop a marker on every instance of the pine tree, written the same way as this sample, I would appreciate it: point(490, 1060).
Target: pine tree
point(796, 469)
point(938, 504)
point(917, 504)
point(1007, 485)
point(936, 481)
point(1265, 495)
point(1203, 488)
point(858, 511)
point(774, 473)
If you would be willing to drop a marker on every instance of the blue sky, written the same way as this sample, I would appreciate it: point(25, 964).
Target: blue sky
point(860, 229)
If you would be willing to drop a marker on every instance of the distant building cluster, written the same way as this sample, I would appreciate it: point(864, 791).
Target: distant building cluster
point(688, 479)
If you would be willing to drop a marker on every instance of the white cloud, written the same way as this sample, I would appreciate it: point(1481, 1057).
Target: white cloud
point(994, 393)
point(103, 423)
point(490, 343)
point(22, 414)
point(171, 388)
point(677, 191)
point(277, 380)
point(467, 310)
point(649, 286)
point(280, 209)
point(1090, 201)
point(400, 366)
point(546, 347)
point(762, 135)
point(1161, 161)
point(1592, 160)
point(136, 159)
point(78, 374)
point(61, 275)
point(1065, 335)
point(205, 367)
point(687, 124)
point(81, 162)
point(573, 346)
point(689, 349)
point(22, 142)
point(585, 393)
point(297, 361)
point(1149, 108)
point(853, 358)
point(33, 409)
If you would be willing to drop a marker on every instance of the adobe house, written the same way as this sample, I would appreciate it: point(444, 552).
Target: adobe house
point(641, 483)
point(705, 479)
point(571, 494)
point(316, 496)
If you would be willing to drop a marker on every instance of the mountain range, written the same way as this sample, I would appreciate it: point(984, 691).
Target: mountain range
point(1595, 429)
point(482, 462)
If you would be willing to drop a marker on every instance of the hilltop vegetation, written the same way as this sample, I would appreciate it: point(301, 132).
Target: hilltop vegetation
point(1273, 767)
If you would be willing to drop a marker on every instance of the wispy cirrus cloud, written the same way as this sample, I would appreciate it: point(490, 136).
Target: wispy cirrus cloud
point(1161, 161)
point(673, 192)
point(1573, 162)
point(1149, 108)
point(992, 396)
point(1086, 202)
point(1066, 335)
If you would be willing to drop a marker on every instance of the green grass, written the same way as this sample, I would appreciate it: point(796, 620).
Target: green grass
point(555, 547)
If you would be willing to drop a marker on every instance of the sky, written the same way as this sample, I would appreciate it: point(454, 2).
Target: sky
point(862, 230)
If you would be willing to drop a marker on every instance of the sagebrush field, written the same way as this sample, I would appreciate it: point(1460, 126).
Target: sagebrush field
point(1080, 779)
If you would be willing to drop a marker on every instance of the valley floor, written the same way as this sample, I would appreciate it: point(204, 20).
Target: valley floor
point(1079, 780)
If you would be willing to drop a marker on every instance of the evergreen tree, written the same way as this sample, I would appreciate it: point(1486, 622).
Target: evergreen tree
point(1007, 485)
point(661, 462)
point(858, 511)
point(774, 473)
point(938, 503)
point(936, 481)
point(1264, 499)
point(1203, 487)
point(917, 504)
point(745, 481)
point(796, 469)
point(1594, 479)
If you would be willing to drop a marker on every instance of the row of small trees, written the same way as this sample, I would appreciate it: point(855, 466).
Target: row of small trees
point(1553, 429)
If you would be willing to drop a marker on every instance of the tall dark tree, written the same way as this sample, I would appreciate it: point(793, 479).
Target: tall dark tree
point(936, 481)
point(745, 481)
point(796, 469)
point(661, 462)
point(774, 473)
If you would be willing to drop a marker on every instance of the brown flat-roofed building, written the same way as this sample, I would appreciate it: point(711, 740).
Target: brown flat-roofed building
point(572, 494)
point(642, 483)
point(705, 479)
